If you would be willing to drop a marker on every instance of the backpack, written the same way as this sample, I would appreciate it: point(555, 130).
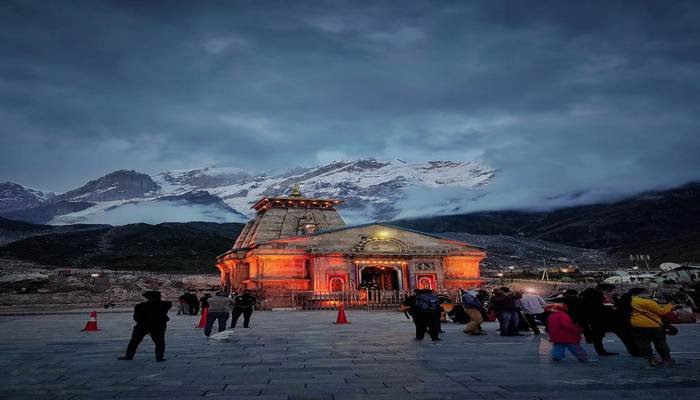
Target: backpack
point(427, 302)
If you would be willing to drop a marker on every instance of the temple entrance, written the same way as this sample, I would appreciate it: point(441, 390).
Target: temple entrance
point(379, 278)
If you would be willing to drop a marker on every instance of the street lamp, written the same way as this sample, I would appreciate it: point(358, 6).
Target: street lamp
point(500, 275)
point(511, 268)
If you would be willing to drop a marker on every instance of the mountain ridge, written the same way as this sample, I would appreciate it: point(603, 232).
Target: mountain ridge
point(372, 190)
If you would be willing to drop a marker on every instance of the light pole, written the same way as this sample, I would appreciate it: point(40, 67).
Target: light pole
point(511, 268)
point(500, 275)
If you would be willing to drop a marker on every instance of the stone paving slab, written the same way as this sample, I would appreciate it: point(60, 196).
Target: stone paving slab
point(303, 355)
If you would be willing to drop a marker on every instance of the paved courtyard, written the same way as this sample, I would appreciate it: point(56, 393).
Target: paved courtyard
point(302, 355)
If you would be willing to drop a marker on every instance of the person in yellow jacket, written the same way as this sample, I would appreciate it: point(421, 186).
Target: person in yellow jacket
point(647, 326)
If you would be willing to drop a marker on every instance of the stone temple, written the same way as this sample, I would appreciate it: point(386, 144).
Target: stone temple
point(297, 243)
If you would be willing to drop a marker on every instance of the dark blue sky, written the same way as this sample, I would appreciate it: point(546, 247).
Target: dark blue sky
point(559, 96)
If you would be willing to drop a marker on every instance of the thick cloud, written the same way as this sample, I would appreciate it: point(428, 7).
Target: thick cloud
point(600, 98)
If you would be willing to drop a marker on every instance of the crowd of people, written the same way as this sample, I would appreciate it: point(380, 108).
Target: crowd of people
point(637, 319)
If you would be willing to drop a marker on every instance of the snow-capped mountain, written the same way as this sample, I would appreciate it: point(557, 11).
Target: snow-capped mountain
point(17, 197)
point(118, 185)
point(372, 190)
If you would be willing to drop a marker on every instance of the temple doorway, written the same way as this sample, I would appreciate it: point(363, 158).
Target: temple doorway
point(379, 278)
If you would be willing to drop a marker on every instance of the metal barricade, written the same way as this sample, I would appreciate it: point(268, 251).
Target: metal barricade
point(368, 300)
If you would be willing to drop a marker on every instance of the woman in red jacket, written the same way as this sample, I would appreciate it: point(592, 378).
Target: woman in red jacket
point(564, 334)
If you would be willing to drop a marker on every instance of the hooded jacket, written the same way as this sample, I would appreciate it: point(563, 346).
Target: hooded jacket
point(562, 328)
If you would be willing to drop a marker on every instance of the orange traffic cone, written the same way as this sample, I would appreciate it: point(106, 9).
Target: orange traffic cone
point(341, 316)
point(203, 320)
point(91, 325)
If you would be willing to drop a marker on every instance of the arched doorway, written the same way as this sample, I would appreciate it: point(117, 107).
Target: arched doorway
point(380, 278)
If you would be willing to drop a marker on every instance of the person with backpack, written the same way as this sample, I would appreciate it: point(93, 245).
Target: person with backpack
point(243, 304)
point(427, 311)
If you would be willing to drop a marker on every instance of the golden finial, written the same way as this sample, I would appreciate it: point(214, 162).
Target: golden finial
point(296, 191)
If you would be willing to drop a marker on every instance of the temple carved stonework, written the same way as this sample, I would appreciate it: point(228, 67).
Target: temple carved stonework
point(299, 243)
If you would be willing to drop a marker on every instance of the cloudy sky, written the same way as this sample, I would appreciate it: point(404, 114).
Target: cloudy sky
point(558, 96)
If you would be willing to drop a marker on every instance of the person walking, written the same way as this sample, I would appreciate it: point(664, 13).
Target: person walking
point(184, 308)
point(503, 304)
point(648, 327)
point(564, 334)
point(472, 306)
point(599, 313)
point(219, 306)
point(409, 307)
point(192, 302)
point(204, 301)
point(152, 319)
point(532, 307)
point(429, 310)
point(243, 304)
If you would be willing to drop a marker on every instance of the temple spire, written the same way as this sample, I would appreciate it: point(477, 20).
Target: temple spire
point(296, 191)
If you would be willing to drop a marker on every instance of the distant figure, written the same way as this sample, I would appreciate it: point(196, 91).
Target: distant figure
point(473, 307)
point(151, 319)
point(193, 302)
point(564, 334)
point(219, 306)
point(204, 301)
point(243, 304)
point(648, 327)
point(184, 303)
point(532, 306)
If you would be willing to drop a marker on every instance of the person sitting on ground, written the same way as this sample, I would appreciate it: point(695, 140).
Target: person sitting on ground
point(648, 327)
point(151, 319)
point(473, 307)
point(564, 334)
point(219, 307)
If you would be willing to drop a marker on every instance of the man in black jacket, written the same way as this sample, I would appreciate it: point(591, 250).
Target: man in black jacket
point(243, 304)
point(151, 318)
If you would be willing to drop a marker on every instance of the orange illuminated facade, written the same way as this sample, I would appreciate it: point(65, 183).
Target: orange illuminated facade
point(298, 244)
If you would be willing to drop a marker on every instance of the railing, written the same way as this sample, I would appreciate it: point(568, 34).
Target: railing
point(367, 300)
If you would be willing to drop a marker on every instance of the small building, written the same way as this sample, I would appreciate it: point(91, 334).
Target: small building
point(297, 243)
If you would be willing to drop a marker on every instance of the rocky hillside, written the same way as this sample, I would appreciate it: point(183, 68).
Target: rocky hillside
point(190, 247)
point(664, 224)
point(372, 190)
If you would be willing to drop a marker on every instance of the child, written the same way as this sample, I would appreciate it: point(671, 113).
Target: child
point(564, 334)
